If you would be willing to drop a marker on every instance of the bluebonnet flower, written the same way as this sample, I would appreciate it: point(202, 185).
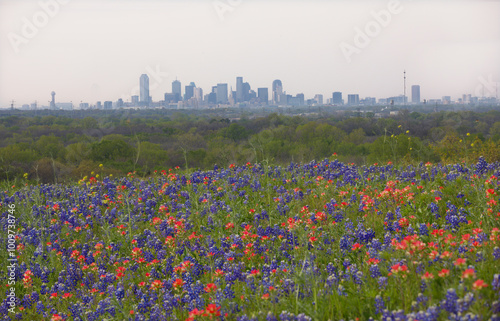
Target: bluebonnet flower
point(379, 304)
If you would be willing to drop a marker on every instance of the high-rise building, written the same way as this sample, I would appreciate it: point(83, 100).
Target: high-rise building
point(319, 99)
point(246, 91)
point(252, 95)
point(283, 99)
point(239, 89)
point(135, 100)
point(198, 95)
point(415, 94)
point(263, 95)
point(189, 91)
point(353, 99)
point(277, 91)
point(222, 94)
point(337, 98)
point(295, 101)
point(301, 99)
point(169, 98)
point(212, 98)
point(177, 90)
point(98, 105)
point(53, 100)
point(108, 105)
point(144, 90)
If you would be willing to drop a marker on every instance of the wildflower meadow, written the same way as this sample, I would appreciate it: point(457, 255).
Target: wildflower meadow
point(318, 241)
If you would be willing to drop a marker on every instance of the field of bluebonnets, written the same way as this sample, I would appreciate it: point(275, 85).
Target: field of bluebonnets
point(317, 241)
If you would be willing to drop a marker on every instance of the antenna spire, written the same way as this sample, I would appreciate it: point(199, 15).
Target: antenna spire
point(404, 98)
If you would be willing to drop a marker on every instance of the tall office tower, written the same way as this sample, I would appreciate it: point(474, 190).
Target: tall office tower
point(108, 105)
point(98, 105)
point(53, 101)
point(300, 99)
point(319, 99)
point(239, 89)
point(415, 94)
point(222, 94)
point(144, 92)
point(353, 99)
point(263, 95)
point(277, 91)
point(337, 98)
point(232, 95)
point(189, 91)
point(84, 106)
point(246, 91)
point(212, 98)
point(169, 98)
point(177, 90)
point(198, 95)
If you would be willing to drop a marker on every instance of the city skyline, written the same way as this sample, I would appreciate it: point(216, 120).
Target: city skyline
point(314, 47)
point(244, 96)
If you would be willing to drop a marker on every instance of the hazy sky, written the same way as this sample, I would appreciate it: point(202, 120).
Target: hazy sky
point(90, 50)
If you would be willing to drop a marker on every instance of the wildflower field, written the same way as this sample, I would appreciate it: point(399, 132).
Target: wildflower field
point(317, 241)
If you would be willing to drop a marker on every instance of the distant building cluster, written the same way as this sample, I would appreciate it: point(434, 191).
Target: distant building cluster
point(223, 95)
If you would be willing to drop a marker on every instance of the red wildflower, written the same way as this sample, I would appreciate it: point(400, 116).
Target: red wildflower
point(468, 273)
point(443, 273)
point(212, 309)
point(399, 268)
point(56, 317)
point(210, 287)
point(479, 284)
point(157, 284)
point(178, 283)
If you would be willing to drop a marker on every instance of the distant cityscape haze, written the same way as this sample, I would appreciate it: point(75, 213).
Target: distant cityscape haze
point(90, 51)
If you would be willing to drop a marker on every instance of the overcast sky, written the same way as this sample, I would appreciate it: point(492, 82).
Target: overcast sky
point(96, 50)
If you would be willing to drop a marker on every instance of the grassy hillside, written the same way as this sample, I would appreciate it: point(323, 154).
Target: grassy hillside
point(318, 241)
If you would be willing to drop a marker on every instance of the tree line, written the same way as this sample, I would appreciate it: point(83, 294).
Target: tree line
point(57, 148)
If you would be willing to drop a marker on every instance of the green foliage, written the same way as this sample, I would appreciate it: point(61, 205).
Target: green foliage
point(110, 150)
point(145, 141)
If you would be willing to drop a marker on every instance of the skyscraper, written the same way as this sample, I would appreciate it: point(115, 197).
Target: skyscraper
point(246, 91)
point(301, 99)
point(189, 91)
point(337, 98)
point(198, 95)
point(263, 95)
point(144, 92)
point(277, 91)
point(415, 94)
point(319, 99)
point(353, 99)
point(177, 90)
point(222, 94)
point(239, 89)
